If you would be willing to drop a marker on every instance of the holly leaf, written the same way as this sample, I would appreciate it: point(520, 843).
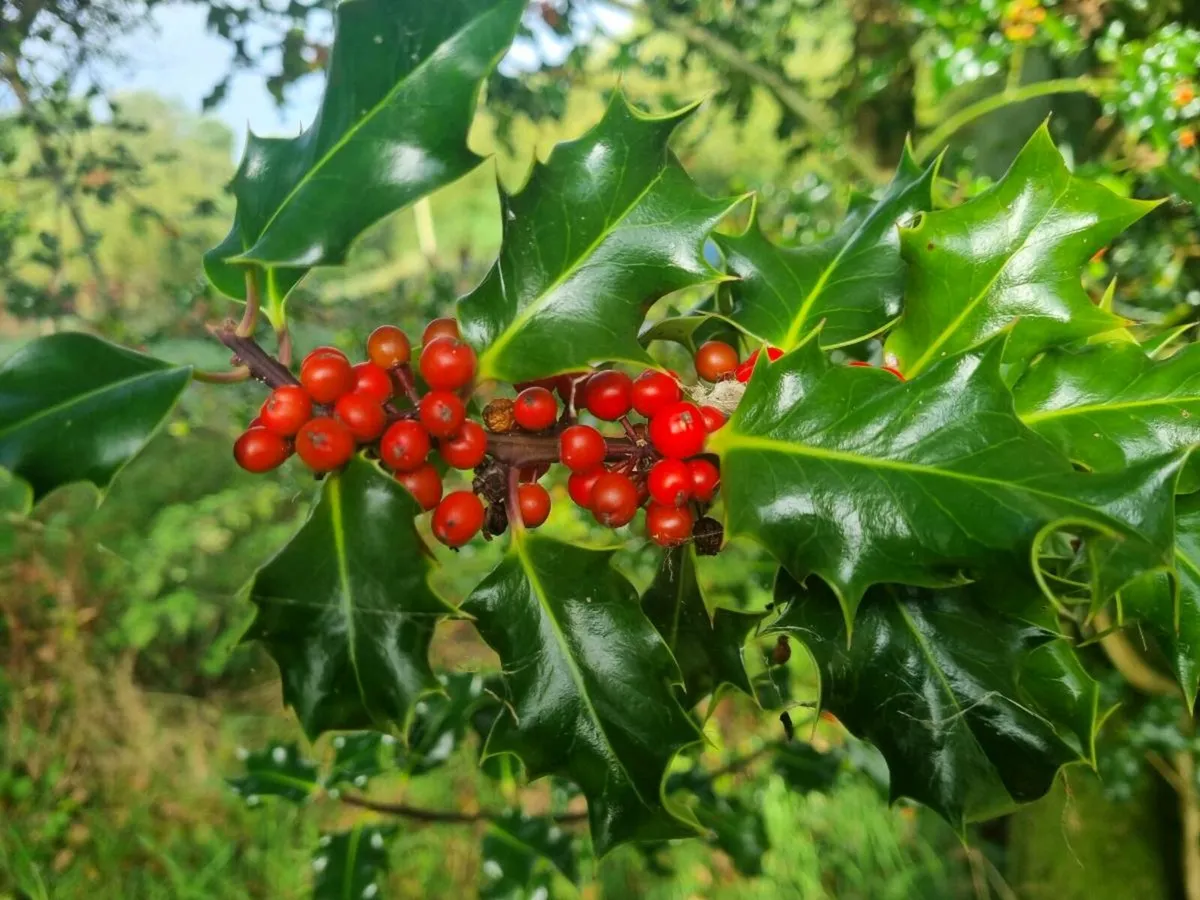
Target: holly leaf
point(403, 80)
point(938, 681)
point(441, 720)
point(862, 479)
point(520, 855)
point(278, 770)
point(345, 610)
point(1109, 407)
point(359, 757)
point(76, 408)
point(708, 648)
point(1170, 613)
point(805, 768)
point(589, 684)
point(610, 223)
point(1014, 254)
point(853, 282)
point(348, 864)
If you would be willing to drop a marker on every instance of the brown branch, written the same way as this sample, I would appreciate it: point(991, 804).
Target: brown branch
point(443, 816)
point(262, 365)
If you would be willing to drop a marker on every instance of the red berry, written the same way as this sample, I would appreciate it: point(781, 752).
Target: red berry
point(534, 501)
point(746, 369)
point(547, 383)
point(439, 328)
point(581, 448)
point(668, 526)
point(326, 377)
point(580, 486)
point(678, 431)
point(716, 360)
point(894, 371)
point(713, 418)
point(256, 422)
point(652, 391)
point(363, 417)
point(705, 478)
point(442, 413)
point(373, 382)
point(608, 395)
point(424, 483)
point(465, 448)
point(670, 482)
point(324, 352)
point(535, 409)
point(859, 364)
point(614, 499)
point(447, 364)
point(388, 347)
point(286, 410)
point(324, 444)
point(571, 385)
point(404, 446)
point(261, 450)
point(457, 518)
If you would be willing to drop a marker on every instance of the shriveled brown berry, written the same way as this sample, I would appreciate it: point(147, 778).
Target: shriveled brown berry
point(707, 536)
point(782, 651)
point(499, 416)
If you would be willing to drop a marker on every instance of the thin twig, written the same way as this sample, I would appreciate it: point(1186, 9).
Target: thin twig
point(404, 375)
point(250, 316)
point(444, 816)
point(261, 364)
point(513, 500)
point(233, 376)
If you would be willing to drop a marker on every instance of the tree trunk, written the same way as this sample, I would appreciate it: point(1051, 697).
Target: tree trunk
point(1076, 844)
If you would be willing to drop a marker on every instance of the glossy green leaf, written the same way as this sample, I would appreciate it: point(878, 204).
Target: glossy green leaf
point(441, 720)
point(345, 609)
point(521, 854)
point(1172, 616)
point(862, 479)
point(1111, 406)
point(348, 865)
point(359, 757)
point(610, 223)
point(943, 684)
point(707, 647)
point(851, 285)
point(589, 684)
point(278, 770)
point(1014, 254)
point(733, 823)
point(403, 80)
point(76, 408)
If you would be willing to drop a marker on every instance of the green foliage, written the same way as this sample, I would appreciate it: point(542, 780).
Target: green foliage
point(345, 609)
point(347, 865)
point(521, 855)
point(278, 770)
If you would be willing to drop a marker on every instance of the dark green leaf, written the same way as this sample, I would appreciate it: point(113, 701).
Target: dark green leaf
point(1011, 257)
point(862, 479)
point(76, 408)
point(608, 225)
point(738, 828)
point(520, 854)
point(403, 80)
point(278, 770)
point(850, 286)
point(1171, 613)
point(589, 681)
point(805, 768)
point(441, 720)
point(345, 609)
point(707, 647)
point(347, 865)
point(949, 689)
point(1110, 406)
point(359, 757)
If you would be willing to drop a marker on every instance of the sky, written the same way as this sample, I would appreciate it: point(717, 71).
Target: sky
point(175, 56)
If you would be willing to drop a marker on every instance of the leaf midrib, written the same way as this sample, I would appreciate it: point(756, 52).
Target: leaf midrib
point(1062, 412)
point(356, 127)
point(539, 592)
point(345, 595)
point(789, 448)
point(87, 395)
point(536, 305)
